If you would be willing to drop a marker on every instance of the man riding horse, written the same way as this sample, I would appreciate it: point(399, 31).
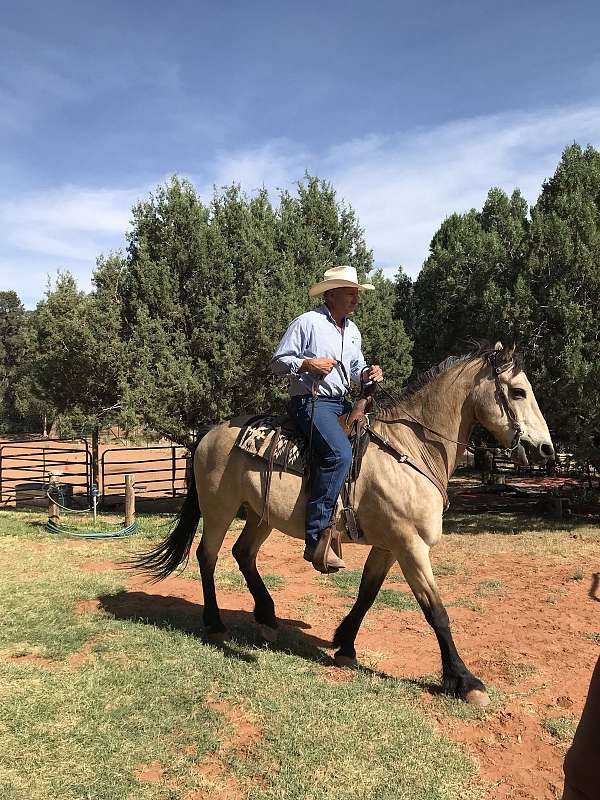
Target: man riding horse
point(321, 353)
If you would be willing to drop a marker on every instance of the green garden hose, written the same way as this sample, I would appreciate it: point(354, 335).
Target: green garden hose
point(76, 533)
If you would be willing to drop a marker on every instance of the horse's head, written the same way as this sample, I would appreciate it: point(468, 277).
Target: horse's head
point(505, 404)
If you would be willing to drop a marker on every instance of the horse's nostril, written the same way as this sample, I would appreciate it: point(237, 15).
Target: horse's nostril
point(546, 450)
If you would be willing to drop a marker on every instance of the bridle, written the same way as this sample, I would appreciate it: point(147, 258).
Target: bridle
point(503, 399)
point(497, 370)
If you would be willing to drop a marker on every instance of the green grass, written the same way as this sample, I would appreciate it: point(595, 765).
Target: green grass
point(459, 522)
point(593, 637)
point(484, 588)
point(81, 731)
point(561, 728)
point(233, 581)
point(444, 705)
point(347, 582)
point(442, 570)
point(391, 598)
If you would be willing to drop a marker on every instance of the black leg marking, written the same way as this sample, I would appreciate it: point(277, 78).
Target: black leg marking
point(377, 566)
point(457, 679)
point(245, 551)
point(211, 616)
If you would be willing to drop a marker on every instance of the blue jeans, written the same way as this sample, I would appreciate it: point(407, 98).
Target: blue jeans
point(331, 458)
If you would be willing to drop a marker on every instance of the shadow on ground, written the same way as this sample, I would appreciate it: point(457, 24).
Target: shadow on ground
point(174, 613)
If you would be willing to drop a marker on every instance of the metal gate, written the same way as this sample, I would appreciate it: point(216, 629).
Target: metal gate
point(26, 468)
point(161, 471)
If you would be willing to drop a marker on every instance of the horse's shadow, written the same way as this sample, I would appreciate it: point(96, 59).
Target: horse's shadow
point(174, 613)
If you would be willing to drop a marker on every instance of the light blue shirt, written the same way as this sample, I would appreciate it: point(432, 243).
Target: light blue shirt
point(316, 335)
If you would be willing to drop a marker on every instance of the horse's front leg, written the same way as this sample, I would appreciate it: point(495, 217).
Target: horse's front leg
point(457, 679)
point(376, 568)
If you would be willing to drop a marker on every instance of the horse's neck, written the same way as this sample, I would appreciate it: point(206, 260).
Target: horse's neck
point(445, 406)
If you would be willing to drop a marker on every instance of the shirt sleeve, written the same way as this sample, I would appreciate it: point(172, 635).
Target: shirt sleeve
point(357, 364)
point(287, 358)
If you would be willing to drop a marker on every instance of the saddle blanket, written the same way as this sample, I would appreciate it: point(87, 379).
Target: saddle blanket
point(274, 438)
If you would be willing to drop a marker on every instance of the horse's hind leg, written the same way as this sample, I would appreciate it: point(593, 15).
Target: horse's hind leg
point(457, 679)
point(245, 551)
point(213, 532)
point(376, 568)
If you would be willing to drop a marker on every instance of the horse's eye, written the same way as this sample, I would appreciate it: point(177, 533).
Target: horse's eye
point(518, 393)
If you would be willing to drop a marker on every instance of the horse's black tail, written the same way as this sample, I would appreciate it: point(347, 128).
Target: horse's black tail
point(163, 559)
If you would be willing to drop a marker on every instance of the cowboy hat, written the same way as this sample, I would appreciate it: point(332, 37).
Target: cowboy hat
point(336, 278)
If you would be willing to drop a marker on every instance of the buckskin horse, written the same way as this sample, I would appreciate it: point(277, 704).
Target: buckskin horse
point(398, 507)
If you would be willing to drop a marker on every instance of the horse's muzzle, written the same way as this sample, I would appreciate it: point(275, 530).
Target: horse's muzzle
point(529, 453)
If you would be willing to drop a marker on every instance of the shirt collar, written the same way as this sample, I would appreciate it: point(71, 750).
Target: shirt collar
point(324, 310)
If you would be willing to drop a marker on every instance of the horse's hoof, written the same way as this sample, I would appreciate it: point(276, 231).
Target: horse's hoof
point(345, 661)
point(477, 698)
point(268, 633)
point(216, 637)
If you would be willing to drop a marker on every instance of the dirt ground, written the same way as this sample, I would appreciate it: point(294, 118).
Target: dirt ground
point(525, 622)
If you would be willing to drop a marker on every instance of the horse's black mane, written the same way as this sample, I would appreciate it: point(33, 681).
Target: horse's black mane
point(480, 348)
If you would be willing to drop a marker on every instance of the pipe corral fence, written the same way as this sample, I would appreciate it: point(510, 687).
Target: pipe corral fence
point(162, 473)
point(27, 467)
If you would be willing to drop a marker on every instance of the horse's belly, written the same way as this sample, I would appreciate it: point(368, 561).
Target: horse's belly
point(287, 500)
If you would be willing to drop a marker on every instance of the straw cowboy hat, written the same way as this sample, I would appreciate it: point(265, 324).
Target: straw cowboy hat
point(336, 278)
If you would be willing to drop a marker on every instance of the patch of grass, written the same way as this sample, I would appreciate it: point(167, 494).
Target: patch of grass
point(233, 581)
point(554, 596)
point(460, 522)
point(463, 602)
point(69, 733)
point(593, 637)
point(517, 670)
point(441, 570)
point(578, 575)
point(346, 581)
point(484, 588)
point(392, 598)
point(443, 704)
point(561, 728)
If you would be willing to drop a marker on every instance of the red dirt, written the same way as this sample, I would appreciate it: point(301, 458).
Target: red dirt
point(213, 770)
point(527, 639)
point(149, 773)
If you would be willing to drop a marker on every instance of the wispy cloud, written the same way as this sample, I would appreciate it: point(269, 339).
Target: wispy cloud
point(62, 228)
point(401, 186)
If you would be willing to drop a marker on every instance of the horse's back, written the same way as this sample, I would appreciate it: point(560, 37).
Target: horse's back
point(227, 475)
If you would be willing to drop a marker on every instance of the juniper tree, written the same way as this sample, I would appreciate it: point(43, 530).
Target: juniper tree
point(17, 354)
point(466, 288)
point(206, 290)
point(563, 270)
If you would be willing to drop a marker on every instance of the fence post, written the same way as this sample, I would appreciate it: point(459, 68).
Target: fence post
point(173, 470)
point(95, 456)
point(53, 508)
point(129, 500)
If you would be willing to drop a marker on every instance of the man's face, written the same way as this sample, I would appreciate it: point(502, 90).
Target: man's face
point(342, 302)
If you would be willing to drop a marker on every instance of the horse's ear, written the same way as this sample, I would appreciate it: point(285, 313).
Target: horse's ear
point(509, 352)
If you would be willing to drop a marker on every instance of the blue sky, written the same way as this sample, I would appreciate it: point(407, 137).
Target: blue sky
point(412, 109)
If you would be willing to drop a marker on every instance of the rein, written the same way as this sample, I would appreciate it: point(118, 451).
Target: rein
point(496, 371)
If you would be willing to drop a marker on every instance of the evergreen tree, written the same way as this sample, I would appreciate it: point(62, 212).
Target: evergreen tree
point(563, 270)
point(465, 290)
point(78, 367)
point(17, 407)
point(205, 292)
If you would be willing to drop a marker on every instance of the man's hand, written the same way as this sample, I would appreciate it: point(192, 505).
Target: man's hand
point(374, 373)
point(318, 366)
